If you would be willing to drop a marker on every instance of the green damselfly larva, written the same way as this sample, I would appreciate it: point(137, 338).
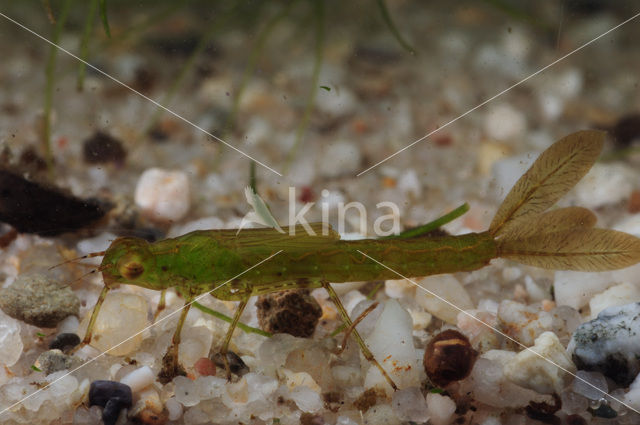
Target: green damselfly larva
point(524, 229)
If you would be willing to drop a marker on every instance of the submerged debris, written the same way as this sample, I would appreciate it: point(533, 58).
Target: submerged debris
point(33, 207)
point(37, 300)
point(293, 312)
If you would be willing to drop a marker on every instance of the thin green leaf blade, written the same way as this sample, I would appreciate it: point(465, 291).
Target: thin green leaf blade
point(103, 17)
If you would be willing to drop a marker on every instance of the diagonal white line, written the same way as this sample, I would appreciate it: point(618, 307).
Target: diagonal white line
point(577, 49)
point(498, 331)
point(199, 297)
point(191, 123)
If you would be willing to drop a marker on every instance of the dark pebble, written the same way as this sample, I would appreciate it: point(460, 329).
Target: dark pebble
point(111, 395)
point(449, 357)
point(237, 366)
point(102, 147)
point(65, 341)
point(293, 312)
point(626, 130)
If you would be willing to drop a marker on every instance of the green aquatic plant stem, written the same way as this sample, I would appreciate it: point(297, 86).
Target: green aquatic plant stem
point(431, 226)
point(103, 17)
point(188, 66)
point(50, 78)
point(386, 16)
point(224, 317)
point(319, 16)
point(257, 49)
point(84, 43)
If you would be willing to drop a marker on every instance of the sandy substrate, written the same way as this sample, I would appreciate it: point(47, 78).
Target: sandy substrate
point(472, 86)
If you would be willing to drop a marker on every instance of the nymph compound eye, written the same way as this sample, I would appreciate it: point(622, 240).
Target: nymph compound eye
point(130, 269)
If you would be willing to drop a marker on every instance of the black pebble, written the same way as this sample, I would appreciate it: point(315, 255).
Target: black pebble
point(64, 341)
point(111, 395)
point(237, 366)
point(102, 147)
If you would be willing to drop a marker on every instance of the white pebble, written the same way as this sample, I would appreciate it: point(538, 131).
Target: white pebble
point(121, 315)
point(399, 288)
point(447, 287)
point(95, 244)
point(380, 414)
point(618, 295)
point(506, 172)
point(185, 391)
point(441, 409)
point(139, 378)
point(163, 195)
point(530, 370)
point(511, 273)
point(504, 122)
point(633, 396)
point(575, 289)
point(535, 292)
point(488, 384)
point(409, 183)
point(195, 342)
point(174, 408)
point(68, 325)
point(336, 102)
point(10, 341)
point(391, 342)
point(339, 158)
point(592, 385)
point(206, 223)
point(306, 399)
point(604, 184)
point(410, 405)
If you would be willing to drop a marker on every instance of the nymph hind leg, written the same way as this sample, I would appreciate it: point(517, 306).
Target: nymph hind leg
point(365, 350)
point(170, 364)
point(227, 339)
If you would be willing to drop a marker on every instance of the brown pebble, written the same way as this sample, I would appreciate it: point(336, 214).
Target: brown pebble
point(449, 357)
point(205, 367)
point(634, 202)
point(368, 399)
point(311, 419)
point(293, 312)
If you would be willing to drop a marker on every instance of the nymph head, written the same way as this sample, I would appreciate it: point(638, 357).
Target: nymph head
point(128, 260)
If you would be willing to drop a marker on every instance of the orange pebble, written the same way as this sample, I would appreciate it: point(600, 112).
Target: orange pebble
point(205, 367)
